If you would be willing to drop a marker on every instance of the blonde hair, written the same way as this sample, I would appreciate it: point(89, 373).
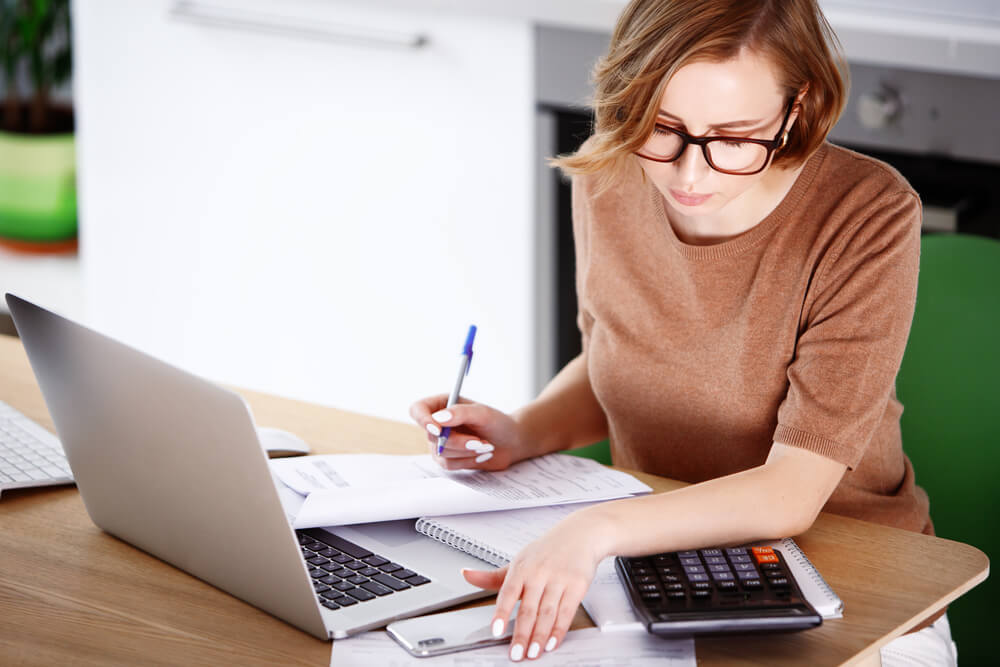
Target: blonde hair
point(655, 38)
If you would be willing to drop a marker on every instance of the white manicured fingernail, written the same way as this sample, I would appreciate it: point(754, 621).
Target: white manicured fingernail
point(442, 416)
point(474, 445)
point(533, 650)
point(433, 429)
point(516, 652)
point(551, 644)
point(498, 627)
point(484, 457)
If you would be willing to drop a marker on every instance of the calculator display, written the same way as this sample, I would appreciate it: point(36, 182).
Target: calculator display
point(722, 590)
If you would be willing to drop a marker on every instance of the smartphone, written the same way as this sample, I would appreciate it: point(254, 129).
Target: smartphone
point(450, 631)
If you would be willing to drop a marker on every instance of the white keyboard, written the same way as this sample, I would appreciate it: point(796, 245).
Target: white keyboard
point(29, 455)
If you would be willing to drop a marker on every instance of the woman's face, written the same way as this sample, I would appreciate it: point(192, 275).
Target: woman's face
point(739, 97)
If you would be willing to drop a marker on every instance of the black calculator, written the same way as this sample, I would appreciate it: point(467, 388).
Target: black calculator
point(717, 591)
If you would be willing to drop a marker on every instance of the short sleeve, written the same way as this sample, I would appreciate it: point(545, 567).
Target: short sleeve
point(853, 334)
point(581, 211)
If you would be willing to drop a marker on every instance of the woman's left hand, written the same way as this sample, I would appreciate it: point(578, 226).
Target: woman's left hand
point(550, 577)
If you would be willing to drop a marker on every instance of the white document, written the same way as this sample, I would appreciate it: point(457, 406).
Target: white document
point(361, 488)
point(581, 648)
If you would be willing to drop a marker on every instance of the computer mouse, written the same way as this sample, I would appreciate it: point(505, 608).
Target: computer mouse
point(278, 442)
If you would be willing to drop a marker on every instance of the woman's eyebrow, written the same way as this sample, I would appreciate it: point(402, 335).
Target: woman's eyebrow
point(719, 126)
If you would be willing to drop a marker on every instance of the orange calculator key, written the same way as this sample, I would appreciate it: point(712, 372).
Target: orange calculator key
point(764, 555)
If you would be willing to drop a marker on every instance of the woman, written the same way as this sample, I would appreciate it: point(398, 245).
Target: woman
point(745, 291)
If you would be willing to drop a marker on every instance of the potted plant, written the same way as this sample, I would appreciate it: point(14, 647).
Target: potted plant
point(37, 148)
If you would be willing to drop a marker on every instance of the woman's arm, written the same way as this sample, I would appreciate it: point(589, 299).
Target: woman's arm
point(566, 413)
point(550, 577)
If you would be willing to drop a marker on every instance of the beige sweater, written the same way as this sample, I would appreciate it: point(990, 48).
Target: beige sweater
point(792, 332)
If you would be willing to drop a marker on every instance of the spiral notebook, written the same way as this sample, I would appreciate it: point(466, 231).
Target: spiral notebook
point(496, 537)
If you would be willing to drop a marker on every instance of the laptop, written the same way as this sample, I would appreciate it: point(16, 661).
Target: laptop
point(172, 464)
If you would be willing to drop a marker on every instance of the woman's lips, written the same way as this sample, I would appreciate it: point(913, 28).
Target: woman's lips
point(689, 198)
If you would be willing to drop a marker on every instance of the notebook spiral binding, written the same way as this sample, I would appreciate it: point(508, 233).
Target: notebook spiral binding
point(462, 543)
point(793, 551)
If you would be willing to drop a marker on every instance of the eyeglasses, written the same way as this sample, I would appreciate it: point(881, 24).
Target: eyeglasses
point(739, 156)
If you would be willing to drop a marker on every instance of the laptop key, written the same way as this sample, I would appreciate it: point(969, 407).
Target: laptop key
point(375, 561)
point(329, 553)
point(330, 604)
point(320, 588)
point(357, 579)
point(329, 579)
point(316, 574)
point(330, 594)
point(318, 560)
point(343, 585)
point(343, 572)
point(330, 567)
point(338, 543)
point(376, 588)
point(403, 574)
point(355, 565)
point(315, 546)
point(360, 594)
point(342, 558)
point(345, 601)
point(368, 571)
point(390, 567)
point(391, 582)
point(418, 580)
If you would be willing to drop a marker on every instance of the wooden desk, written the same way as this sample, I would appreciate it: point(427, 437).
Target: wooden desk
point(71, 594)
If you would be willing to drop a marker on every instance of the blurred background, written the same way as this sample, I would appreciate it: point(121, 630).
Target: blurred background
point(315, 198)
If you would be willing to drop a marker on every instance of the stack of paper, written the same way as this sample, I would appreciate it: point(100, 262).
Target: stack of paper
point(344, 489)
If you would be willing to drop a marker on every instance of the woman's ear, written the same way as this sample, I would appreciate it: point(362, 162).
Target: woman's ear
point(796, 108)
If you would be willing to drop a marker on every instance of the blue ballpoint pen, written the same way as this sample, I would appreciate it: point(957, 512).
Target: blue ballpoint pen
point(463, 370)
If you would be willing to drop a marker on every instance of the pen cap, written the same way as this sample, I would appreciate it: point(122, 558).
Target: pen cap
point(467, 349)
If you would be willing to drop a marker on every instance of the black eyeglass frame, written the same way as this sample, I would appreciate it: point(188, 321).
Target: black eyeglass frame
point(770, 144)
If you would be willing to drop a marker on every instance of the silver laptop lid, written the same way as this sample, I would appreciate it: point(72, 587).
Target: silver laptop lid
point(170, 463)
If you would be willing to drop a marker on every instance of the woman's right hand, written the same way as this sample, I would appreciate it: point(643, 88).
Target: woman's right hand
point(482, 438)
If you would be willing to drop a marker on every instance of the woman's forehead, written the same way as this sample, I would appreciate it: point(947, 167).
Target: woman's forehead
point(706, 93)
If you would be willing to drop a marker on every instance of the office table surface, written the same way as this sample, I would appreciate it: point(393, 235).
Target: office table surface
point(71, 594)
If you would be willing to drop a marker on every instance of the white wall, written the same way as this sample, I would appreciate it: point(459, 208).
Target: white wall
point(315, 219)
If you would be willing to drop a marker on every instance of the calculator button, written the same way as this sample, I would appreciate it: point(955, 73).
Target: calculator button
point(676, 595)
point(701, 586)
point(743, 567)
point(691, 561)
point(715, 560)
point(718, 568)
point(691, 570)
point(670, 578)
point(778, 582)
point(687, 554)
point(697, 577)
point(770, 566)
point(766, 558)
point(747, 574)
point(673, 587)
point(740, 559)
point(711, 552)
point(726, 585)
point(646, 579)
point(722, 576)
point(701, 595)
point(736, 551)
point(752, 584)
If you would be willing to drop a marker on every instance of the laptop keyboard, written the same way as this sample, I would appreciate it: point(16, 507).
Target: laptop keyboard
point(29, 455)
point(345, 574)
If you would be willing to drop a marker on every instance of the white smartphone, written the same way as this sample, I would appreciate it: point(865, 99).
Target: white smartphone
point(450, 631)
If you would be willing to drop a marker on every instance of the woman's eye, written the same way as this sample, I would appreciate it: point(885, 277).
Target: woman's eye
point(659, 130)
point(734, 144)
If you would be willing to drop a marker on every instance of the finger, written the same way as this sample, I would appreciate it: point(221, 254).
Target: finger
point(460, 446)
point(548, 610)
point(464, 414)
point(510, 593)
point(420, 411)
point(531, 595)
point(564, 617)
point(491, 580)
